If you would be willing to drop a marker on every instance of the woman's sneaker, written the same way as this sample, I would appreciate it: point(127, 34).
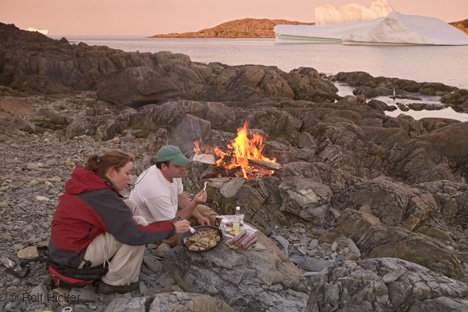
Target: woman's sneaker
point(106, 289)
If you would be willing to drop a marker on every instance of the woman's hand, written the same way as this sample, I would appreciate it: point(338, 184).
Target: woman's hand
point(181, 226)
point(200, 197)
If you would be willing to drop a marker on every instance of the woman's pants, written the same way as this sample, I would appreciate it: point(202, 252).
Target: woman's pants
point(124, 268)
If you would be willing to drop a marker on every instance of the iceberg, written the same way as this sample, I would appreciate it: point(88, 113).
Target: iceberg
point(42, 31)
point(328, 14)
point(394, 29)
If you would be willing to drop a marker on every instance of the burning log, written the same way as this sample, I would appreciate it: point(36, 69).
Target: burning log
point(210, 159)
point(245, 152)
point(264, 164)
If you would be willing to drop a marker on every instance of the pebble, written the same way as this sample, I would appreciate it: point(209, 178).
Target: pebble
point(18, 246)
point(42, 198)
point(27, 253)
point(153, 264)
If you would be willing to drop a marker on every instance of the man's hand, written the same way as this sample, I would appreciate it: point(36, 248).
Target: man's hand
point(200, 197)
point(202, 220)
point(181, 226)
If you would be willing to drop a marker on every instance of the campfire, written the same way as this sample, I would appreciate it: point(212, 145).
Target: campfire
point(243, 156)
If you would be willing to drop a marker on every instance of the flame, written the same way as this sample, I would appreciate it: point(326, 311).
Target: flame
point(196, 147)
point(241, 152)
point(244, 147)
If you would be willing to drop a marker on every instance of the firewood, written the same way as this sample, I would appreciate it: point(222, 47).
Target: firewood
point(264, 164)
point(252, 162)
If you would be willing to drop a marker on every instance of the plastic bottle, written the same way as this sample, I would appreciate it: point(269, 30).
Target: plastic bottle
point(237, 221)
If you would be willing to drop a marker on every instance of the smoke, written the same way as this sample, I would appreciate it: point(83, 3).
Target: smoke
point(328, 14)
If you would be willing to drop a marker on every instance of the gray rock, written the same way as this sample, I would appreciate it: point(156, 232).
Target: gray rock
point(230, 188)
point(136, 86)
point(84, 294)
point(27, 253)
point(190, 302)
point(305, 197)
point(153, 264)
point(367, 286)
point(283, 242)
point(137, 304)
point(241, 278)
point(310, 264)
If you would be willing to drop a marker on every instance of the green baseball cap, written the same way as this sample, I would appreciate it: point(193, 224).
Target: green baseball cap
point(172, 153)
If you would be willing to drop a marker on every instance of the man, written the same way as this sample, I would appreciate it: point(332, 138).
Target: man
point(159, 193)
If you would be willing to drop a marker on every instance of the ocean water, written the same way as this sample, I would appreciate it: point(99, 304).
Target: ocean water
point(445, 64)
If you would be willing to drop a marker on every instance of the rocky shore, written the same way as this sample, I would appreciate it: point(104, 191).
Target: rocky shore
point(367, 212)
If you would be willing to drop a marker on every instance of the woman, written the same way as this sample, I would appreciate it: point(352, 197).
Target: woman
point(93, 225)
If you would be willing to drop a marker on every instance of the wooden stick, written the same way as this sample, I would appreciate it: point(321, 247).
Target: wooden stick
point(264, 164)
point(210, 159)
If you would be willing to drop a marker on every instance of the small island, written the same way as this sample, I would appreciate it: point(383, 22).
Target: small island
point(462, 25)
point(242, 28)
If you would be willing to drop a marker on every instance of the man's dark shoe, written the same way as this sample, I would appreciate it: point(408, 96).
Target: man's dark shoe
point(106, 289)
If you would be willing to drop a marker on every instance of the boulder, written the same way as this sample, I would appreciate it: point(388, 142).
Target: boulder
point(452, 142)
point(380, 105)
point(221, 116)
point(307, 84)
point(305, 198)
point(376, 240)
point(274, 122)
point(171, 113)
point(252, 280)
point(136, 86)
point(190, 129)
point(170, 301)
point(385, 284)
point(80, 125)
point(395, 204)
point(451, 198)
point(457, 97)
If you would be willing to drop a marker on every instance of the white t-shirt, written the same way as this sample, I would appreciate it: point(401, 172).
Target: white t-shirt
point(157, 198)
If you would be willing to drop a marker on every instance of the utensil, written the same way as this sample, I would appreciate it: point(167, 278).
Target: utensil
point(191, 229)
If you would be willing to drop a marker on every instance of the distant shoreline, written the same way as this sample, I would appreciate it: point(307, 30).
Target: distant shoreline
point(242, 28)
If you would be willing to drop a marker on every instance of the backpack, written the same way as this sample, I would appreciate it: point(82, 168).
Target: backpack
point(62, 276)
point(67, 277)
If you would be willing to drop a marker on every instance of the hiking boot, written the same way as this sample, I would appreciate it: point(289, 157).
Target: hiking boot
point(106, 289)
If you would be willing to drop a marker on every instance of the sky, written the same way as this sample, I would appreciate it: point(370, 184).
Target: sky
point(150, 17)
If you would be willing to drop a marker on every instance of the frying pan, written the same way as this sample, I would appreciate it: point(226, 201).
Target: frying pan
point(184, 236)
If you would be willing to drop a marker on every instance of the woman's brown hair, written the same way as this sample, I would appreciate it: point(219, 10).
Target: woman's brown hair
point(111, 159)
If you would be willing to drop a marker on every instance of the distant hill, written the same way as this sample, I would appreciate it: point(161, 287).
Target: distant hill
point(462, 25)
point(243, 28)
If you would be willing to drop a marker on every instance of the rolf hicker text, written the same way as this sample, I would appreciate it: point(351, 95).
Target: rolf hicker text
point(43, 297)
